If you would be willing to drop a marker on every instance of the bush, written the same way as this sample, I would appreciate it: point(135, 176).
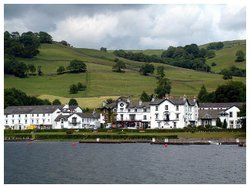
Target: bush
point(70, 131)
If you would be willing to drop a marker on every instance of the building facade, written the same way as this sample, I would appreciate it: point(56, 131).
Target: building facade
point(49, 117)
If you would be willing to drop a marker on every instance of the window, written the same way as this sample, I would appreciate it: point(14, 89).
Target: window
point(177, 116)
point(166, 107)
point(135, 110)
point(6, 121)
point(128, 110)
point(19, 115)
point(156, 108)
point(174, 124)
point(32, 115)
point(156, 116)
point(37, 115)
point(74, 121)
point(62, 120)
point(25, 115)
point(12, 121)
point(37, 121)
point(230, 114)
point(19, 121)
point(121, 117)
point(43, 120)
point(26, 121)
point(144, 117)
point(32, 121)
point(177, 107)
point(12, 115)
point(43, 115)
point(144, 109)
point(121, 109)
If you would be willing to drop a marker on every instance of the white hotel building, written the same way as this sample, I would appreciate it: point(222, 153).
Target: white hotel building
point(167, 113)
point(49, 117)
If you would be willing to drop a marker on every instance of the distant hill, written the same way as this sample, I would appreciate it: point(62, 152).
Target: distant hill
point(102, 83)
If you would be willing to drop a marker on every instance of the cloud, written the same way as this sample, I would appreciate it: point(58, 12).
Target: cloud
point(130, 26)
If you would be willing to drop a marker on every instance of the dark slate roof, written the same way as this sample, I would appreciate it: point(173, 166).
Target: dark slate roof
point(39, 109)
point(89, 115)
point(221, 105)
point(209, 114)
point(135, 104)
point(174, 100)
point(64, 117)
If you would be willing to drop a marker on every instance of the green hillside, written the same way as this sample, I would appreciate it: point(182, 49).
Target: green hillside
point(101, 82)
point(225, 57)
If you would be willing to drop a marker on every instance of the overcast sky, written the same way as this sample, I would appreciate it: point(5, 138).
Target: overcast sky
point(130, 26)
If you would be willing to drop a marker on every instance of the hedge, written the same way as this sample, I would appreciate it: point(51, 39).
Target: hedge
point(17, 136)
point(120, 136)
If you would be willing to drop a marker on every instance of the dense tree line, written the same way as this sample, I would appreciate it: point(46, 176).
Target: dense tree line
point(189, 56)
point(15, 97)
point(232, 91)
point(215, 46)
point(137, 56)
point(233, 71)
point(24, 45)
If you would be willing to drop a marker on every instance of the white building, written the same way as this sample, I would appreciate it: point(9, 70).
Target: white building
point(159, 113)
point(47, 116)
point(209, 112)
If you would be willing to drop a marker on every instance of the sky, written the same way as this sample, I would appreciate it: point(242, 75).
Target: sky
point(136, 26)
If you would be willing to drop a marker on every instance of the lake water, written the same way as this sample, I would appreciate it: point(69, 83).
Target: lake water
point(68, 163)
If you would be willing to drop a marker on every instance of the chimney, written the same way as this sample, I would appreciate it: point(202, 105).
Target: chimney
point(153, 99)
point(128, 99)
point(184, 97)
point(166, 96)
point(194, 99)
point(140, 102)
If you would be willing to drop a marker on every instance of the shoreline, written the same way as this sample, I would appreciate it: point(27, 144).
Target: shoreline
point(241, 142)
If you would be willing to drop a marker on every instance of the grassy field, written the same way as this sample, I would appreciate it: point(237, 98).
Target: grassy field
point(101, 82)
point(225, 57)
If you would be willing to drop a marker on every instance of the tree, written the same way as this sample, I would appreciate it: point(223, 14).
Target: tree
point(46, 102)
point(119, 65)
point(60, 70)
point(226, 74)
point(77, 66)
point(224, 124)
point(80, 86)
point(73, 102)
point(147, 69)
point(145, 97)
point(202, 96)
point(31, 68)
point(233, 91)
point(30, 43)
point(15, 97)
point(39, 71)
point(210, 54)
point(73, 89)
point(103, 49)
point(218, 122)
point(65, 43)
point(56, 102)
point(160, 72)
point(45, 37)
point(240, 56)
point(163, 88)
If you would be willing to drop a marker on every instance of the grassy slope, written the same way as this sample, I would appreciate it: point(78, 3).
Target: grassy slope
point(100, 79)
point(225, 57)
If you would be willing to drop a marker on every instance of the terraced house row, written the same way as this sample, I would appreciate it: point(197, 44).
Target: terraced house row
point(167, 113)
